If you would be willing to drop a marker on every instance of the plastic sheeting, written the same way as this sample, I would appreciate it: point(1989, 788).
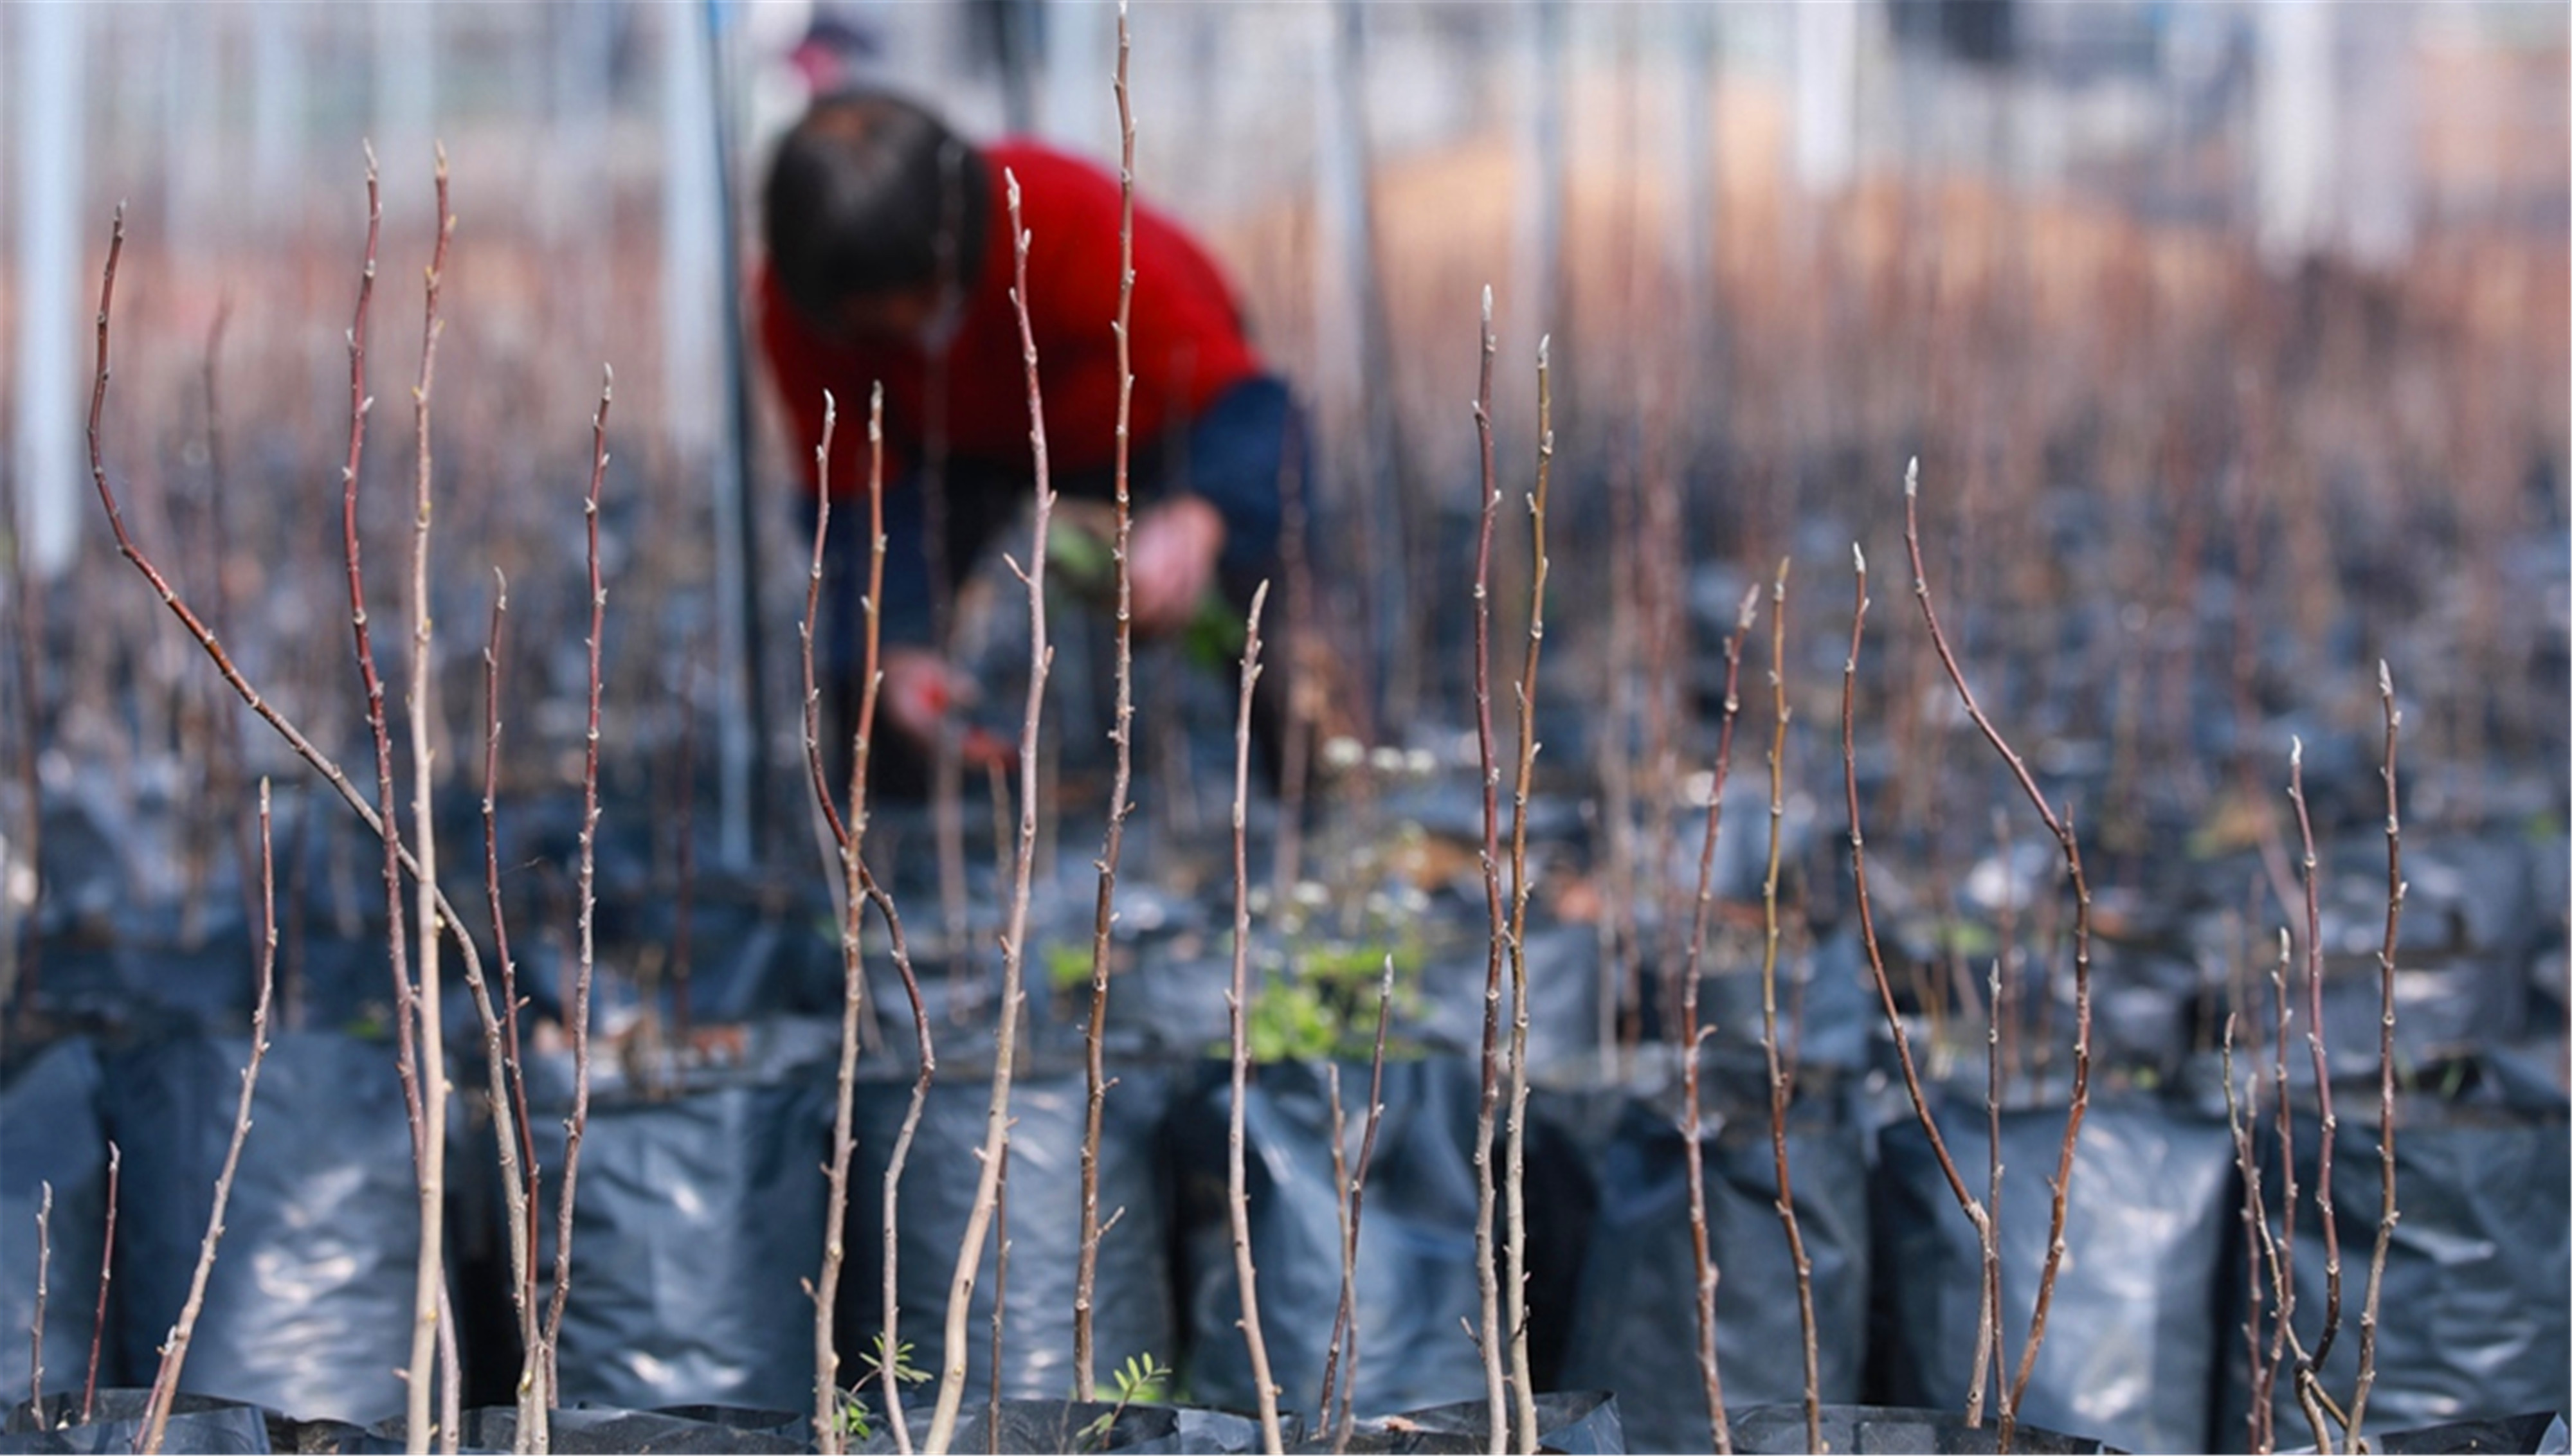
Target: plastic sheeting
point(1577, 1422)
point(1414, 1274)
point(1135, 1315)
point(1634, 1330)
point(49, 1132)
point(196, 1423)
point(309, 1310)
point(699, 1215)
point(2474, 1322)
point(1027, 1425)
point(2130, 1347)
point(1872, 1428)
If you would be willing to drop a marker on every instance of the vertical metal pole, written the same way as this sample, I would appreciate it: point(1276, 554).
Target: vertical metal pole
point(1349, 249)
point(46, 432)
point(745, 813)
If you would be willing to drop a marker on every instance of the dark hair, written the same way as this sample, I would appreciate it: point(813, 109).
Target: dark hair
point(861, 196)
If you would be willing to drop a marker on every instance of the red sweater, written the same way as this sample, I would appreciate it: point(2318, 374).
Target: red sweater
point(1188, 343)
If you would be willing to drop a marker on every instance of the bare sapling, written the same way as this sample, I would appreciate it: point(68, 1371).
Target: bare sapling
point(847, 836)
point(1522, 1378)
point(2284, 1343)
point(44, 1267)
point(1489, 1335)
point(2323, 1200)
point(196, 625)
point(1237, 1003)
point(173, 1352)
point(1084, 1375)
point(2255, 1224)
point(576, 1125)
point(888, 1368)
point(2387, 1214)
point(106, 1273)
point(421, 711)
point(1986, 1236)
point(422, 1389)
point(1691, 1037)
point(1340, 1360)
point(1780, 1078)
point(977, 1224)
point(2069, 842)
point(521, 1195)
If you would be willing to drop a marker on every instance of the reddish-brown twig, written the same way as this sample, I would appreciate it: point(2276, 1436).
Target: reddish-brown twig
point(2322, 1200)
point(576, 1125)
point(1490, 1334)
point(960, 1294)
point(1987, 1318)
point(1691, 1038)
point(1780, 1083)
point(432, 1274)
point(174, 1355)
point(1237, 1004)
point(422, 1389)
point(1522, 1377)
point(1086, 1278)
point(206, 639)
point(2387, 1214)
point(106, 1272)
point(2061, 826)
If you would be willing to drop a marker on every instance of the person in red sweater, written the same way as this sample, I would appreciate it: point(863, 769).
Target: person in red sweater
point(889, 259)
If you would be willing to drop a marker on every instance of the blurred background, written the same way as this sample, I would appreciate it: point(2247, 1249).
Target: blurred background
point(2169, 299)
point(2234, 342)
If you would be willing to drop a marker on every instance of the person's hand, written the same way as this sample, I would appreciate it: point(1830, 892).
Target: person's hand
point(1169, 562)
point(919, 692)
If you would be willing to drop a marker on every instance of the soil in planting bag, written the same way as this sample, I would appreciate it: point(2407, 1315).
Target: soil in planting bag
point(1392, 1436)
point(1634, 1328)
point(1859, 1430)
point(2541, 1433)
point(202, 1423)
point(1574, 1422)
point(1415, 1272)
point(1030, 1425)
point(601, 1431)
point(2130, 1347)
point(2473, 1321)
point(50, 1133)
point(308, 1309)
point(698, 1217)
point(1135, 1313)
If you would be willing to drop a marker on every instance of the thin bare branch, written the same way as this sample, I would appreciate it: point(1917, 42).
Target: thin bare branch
point(1780, 1085)
point(1491, 1337)
point(576, 1127)
point(1084, 1375)
point(2061, 826)
point(1522, 1374)
point(959, 1296)
point(2388, 1213)
point(1238, 1001)
point(174, 1355)
point(1986, 1318)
